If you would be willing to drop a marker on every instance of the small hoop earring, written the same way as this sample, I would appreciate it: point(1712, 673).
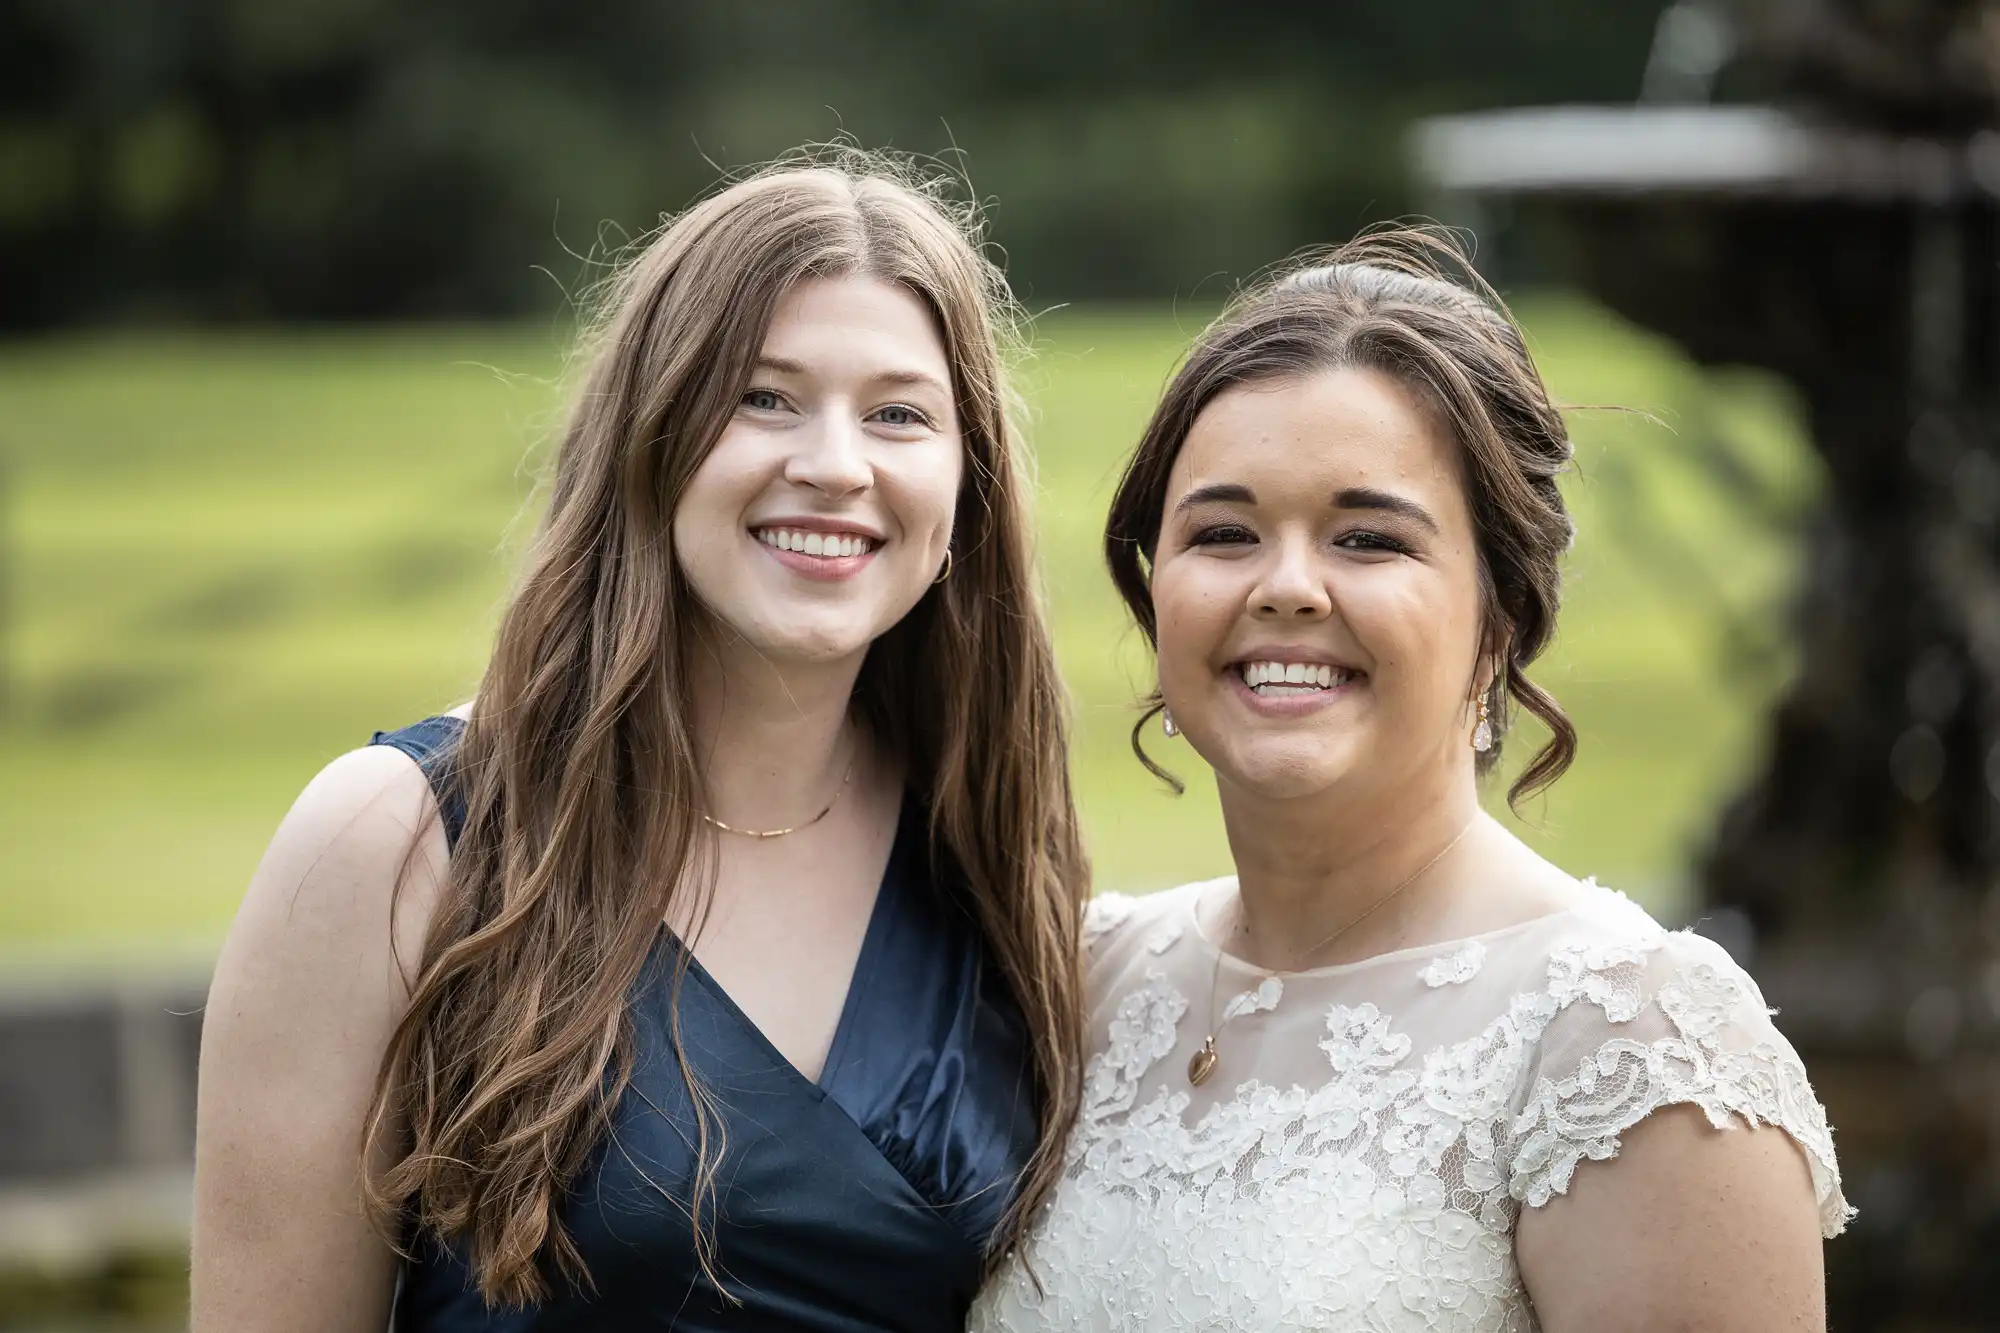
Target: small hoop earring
point(945, 573)
point(1167, 723)
point(1482, 735)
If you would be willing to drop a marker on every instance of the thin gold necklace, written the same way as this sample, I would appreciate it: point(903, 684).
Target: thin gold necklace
point(781, 832)
point(1202, 1063)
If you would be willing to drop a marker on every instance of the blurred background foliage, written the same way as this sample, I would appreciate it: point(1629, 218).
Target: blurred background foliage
point(376, 159)
point(288, 291)
point(234, 554)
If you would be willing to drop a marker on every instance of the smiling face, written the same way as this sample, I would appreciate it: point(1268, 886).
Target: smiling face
point(1317, 590)
point(824, 512)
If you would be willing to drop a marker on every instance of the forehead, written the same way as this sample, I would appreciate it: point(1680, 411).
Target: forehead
point(856, 319)
point(1320, 432)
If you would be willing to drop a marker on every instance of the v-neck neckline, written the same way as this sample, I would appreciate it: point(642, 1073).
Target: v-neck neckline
point(880, 918)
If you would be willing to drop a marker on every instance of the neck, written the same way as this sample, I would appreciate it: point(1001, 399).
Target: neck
point(1307, 867)
point(772, 738)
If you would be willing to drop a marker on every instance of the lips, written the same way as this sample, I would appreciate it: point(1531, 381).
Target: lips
point(817, 549)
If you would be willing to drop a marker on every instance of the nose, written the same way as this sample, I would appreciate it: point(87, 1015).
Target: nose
point(831, 458)
point(1290, 586)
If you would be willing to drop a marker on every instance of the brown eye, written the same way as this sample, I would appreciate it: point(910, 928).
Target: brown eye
point(1373, 541)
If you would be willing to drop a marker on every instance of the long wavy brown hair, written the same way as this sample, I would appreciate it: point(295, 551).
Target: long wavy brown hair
point(1405, 301)
point(578, 768)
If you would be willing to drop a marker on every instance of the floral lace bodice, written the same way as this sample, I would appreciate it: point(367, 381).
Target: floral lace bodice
point(1372, 1131)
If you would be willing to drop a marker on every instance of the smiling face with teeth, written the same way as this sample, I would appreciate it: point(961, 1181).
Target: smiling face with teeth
point(1317, 590)
point(823, 513)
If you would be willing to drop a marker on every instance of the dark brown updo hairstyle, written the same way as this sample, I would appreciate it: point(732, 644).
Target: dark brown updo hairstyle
point(1406, 302)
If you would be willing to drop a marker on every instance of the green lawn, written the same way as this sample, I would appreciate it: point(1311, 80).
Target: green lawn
point(228, 557)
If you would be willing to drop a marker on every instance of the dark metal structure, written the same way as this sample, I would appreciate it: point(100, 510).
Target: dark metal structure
point(1843, 230)
point(97, 1099)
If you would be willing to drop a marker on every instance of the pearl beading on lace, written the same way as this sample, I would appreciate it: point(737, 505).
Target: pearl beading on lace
point(1384, 1197)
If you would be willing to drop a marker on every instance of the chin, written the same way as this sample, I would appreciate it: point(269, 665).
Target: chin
point(795, 635)
point(1286, 771)
point(812, 647)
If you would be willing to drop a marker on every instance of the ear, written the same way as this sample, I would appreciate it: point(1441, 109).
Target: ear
point(1489, 673)
point(1491, 670)
point(1491, 666)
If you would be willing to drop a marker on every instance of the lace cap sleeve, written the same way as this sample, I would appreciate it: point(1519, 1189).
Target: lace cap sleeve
point(1102, 916)
point(1661, 1020)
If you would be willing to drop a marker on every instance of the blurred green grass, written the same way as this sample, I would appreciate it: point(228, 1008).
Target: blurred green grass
point(228, 557)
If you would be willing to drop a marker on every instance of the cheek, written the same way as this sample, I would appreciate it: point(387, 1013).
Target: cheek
point(1193, 614)
point(713, 505)
point(922, 487)
point(724, 485)
point(1422, 631)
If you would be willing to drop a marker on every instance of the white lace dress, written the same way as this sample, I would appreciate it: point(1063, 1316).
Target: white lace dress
point(1372, 1130)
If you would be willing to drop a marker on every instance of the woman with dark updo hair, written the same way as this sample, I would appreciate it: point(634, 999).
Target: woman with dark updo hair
point(1398, 1072)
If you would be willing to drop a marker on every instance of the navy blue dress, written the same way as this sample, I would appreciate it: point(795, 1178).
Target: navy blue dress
point(862, 1201)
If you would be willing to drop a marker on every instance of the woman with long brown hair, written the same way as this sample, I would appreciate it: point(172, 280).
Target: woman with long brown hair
point(717, 966)
point(1398, 1072)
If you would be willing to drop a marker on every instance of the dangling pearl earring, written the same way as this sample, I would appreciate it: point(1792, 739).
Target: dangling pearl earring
point(1167, 723)
point(1482, 735)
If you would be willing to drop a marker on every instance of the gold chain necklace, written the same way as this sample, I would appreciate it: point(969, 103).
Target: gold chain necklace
point(1202, 1063)
point(781, 832)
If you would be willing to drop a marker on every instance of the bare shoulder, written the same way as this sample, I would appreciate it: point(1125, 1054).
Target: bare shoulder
point(306, 997)
point(1692, 1188)
point(1689, 1226)
point(350, 877)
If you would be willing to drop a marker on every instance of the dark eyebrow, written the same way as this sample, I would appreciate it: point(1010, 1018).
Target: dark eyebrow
point(1221, 493)
point(1366, 497)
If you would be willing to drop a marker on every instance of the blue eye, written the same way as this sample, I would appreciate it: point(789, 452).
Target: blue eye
point(901, 416)
point(762, 400)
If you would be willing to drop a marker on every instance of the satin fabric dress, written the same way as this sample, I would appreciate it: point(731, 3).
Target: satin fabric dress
point(862, 1200)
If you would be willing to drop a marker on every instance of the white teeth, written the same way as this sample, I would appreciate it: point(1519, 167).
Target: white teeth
point(1283, 677)
point(813, 543)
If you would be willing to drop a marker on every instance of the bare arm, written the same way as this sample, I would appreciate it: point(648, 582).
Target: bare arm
point(1689, 1227)
point(308, 989)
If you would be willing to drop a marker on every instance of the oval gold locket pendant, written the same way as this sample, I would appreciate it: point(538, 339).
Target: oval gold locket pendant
point(1202, 1063)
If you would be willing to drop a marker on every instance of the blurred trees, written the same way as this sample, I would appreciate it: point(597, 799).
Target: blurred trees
point(362, 158)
